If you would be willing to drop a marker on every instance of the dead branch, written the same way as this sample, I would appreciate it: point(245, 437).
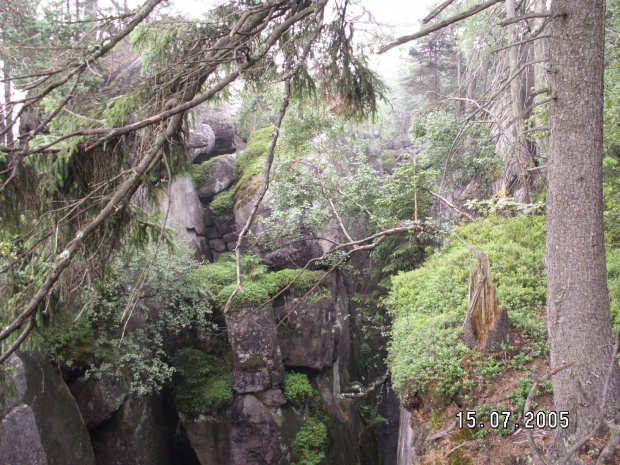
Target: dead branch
point(443, 433)
point(437, 10)
point(364, 392)
point(333, 207)
point(262, 191)
point(452, 206)
point(528, 405)
point(525, 41)
point(516, 19)
point(440, 25)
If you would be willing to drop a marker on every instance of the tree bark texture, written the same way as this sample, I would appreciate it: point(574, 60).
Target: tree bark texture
point(578, 315)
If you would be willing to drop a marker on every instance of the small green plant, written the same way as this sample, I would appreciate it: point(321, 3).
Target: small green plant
point(519, 396)
point(309, 443)
point(203, 382)
point(297, 389)
point(489, 368)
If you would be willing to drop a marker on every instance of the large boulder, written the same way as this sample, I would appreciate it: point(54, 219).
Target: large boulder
point(248, 432)
point(257, 361)
point(212, 133)
point(41, 422)
point(201, 142)
point(99, 398)
point(221, 177)
point(135, 434)
point(310, 335)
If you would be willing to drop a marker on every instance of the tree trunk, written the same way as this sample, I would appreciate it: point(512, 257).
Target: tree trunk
point(520, 144)
point(577, 297)
point(8, 109)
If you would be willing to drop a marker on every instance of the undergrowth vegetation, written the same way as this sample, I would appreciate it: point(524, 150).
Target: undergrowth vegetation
point(310, 443)
point(429, 304)
point(203, 382)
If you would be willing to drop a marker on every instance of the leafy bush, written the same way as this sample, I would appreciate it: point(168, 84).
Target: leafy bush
point(429, 304)
point(173, 299)
point(297, 388)
point(309, 443)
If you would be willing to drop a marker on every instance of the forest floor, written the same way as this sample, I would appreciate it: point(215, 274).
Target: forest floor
point(451, 445)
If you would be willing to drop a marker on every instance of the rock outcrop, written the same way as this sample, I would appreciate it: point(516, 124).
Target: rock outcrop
point(41, 422)
point(212, 133)
point(136, 433)
point(221, 177)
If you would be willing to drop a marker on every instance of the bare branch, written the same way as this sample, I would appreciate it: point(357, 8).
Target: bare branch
point(262, 191)
point(520, 43)
point(440, 25)
point(437, 10)
point(516, 19)
point(452, 206)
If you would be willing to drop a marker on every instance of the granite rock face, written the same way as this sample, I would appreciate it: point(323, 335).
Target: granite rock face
point(222, 176)
point(248, 432)
point(212, 133)
point(257, 361)
point(136, 433)
point(41, 422)
point(311, 334)
point(99, 398)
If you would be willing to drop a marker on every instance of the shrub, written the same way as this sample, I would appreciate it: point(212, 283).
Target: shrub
point(297, 388)
point(202, 383)
point(309, 444)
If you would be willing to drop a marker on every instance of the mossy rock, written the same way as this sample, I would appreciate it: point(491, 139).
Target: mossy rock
point(222, 203)
point(265, 286)
point(201, 172)
point(253, 363)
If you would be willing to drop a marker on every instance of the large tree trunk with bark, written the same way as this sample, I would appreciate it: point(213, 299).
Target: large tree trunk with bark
point(577, 297)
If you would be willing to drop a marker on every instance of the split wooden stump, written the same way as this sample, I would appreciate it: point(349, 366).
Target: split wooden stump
point(486, 327)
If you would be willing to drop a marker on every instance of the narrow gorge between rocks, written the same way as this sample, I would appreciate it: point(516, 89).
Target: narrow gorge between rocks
point(309, 232)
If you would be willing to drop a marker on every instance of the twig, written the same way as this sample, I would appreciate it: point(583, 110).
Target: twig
point(525, 41)
point(454, 207)
point(263, 190)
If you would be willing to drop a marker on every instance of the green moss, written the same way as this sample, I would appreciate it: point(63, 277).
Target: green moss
point(223, 202)
point(262, 287)
point(253, 363)
point(257, 147)
point(429, 304)
point(201, 172)
point(203, 382)
point(251, 164)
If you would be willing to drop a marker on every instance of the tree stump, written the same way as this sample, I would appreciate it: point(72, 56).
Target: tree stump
point(486, 328)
